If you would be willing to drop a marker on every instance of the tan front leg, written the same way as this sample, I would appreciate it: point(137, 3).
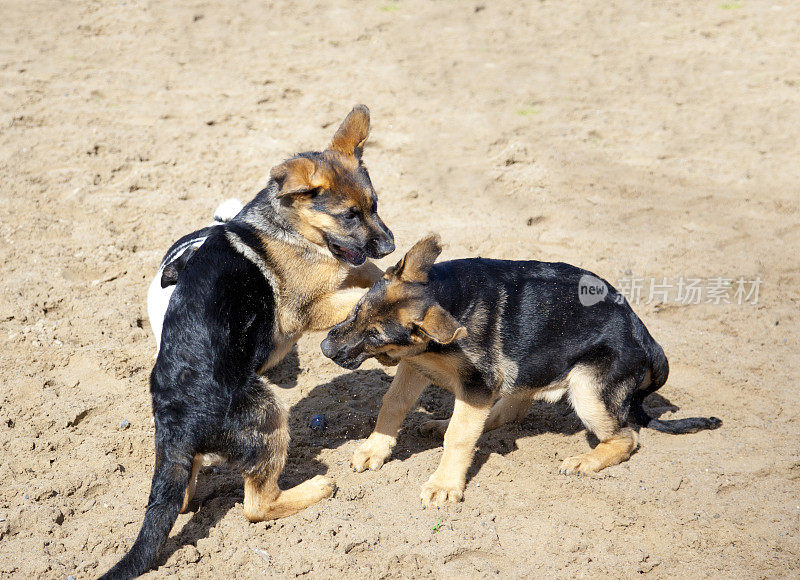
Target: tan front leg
point(363, 276)
point(448, 481)
point(187, 497)
point(398, 400)
point(334, 308)
point(263, 500)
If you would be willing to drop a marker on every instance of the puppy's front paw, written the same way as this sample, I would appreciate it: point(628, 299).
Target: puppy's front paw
point(372, 453)
point(434, 428)
point(437, 493)
point(583, 464)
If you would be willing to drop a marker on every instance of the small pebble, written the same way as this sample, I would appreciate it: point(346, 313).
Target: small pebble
point(124, 424)
point(317, 422)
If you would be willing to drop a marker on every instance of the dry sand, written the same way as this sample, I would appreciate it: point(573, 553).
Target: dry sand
point(634, 138)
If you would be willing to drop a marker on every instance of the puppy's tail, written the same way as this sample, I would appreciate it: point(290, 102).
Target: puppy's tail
point(659, 371)
point(170, 479)
point(227, 210)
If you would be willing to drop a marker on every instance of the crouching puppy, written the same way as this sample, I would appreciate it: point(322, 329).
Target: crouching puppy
point(500, 334)
point(174, 261)
point(294, 259)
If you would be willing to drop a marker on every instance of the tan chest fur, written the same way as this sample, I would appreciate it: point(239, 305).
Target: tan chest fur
point(305, 278)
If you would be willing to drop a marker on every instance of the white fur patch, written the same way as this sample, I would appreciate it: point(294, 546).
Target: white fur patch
point(552, 394)
point(157, 302)
point(227, 210)
point(210, 459)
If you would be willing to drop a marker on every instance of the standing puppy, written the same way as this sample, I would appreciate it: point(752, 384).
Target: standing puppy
point(502, 332)
point(292, 260)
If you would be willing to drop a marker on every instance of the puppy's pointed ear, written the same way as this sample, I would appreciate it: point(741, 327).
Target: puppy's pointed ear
point(354, 130)
point(418, 261)
point(439, 325)
point(298, 175)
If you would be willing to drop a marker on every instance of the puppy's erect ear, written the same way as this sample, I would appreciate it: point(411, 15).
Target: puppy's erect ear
point(298, 175)
point(349, 138)
point(418, 261)
point(439, 325)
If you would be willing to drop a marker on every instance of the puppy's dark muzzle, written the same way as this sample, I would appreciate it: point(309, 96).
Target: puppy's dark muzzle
point(340, 355)
point(381, 242)
point(381, 246)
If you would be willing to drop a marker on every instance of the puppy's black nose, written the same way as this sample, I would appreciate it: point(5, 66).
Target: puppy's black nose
point(382, 246)
point(328, 349)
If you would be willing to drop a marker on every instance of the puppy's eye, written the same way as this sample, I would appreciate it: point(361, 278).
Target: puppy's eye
point(352, 215)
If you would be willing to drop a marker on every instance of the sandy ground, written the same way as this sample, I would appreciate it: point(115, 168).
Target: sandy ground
point(635, 138)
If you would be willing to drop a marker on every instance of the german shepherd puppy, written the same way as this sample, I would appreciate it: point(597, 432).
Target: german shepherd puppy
point(292, 260)
point(502, 332)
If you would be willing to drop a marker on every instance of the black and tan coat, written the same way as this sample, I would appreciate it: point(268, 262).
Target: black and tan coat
point(293, 259)
point(499, 334)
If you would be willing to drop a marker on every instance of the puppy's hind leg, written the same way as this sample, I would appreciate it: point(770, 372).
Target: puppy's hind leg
point(263, 500)
point(434, 427)
point(506, 409)
point(187, 497)
point(616, 443)
point(257, 430)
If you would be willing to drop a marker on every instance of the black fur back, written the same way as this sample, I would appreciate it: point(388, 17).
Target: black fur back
point(532, 310)
point(218, 331)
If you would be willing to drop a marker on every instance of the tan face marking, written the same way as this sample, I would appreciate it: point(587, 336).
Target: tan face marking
point(328, 197)
point(398, 317)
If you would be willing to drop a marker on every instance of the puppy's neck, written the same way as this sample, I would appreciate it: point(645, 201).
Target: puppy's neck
point(444, 369)
point(287, 253)
point(266, 215)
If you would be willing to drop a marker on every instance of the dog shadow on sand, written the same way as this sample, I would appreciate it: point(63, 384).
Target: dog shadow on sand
point(350, 404)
